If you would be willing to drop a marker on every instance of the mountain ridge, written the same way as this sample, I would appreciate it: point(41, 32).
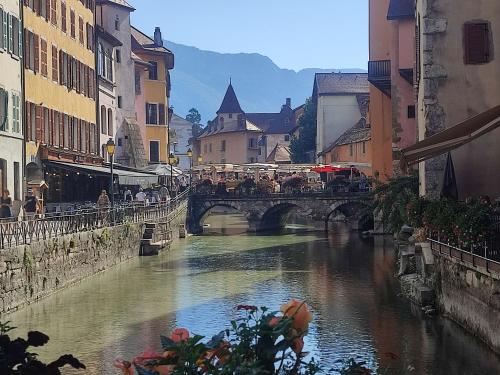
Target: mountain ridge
point(200, 79)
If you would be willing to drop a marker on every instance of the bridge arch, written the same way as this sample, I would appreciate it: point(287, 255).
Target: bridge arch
point(358, 214)
point(276, 217)
point(208, 207)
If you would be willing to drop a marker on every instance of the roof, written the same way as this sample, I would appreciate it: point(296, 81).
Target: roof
point(273, 123)
point(230, 103)
point(145, 42)
point(178, 121)
point(104, 35)
point(353, 135)
point(401, 9)
point(138, 60)
point(341, 83)
point(215, 128)
point(121, 3)
point(280, 155)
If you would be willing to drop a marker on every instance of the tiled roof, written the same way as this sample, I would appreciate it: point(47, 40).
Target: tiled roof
point(273, 123)
point(215, 128)
point(230, 103)
point(401, 9)
point(353, 135)
point(280, 155)
point(121, 3)
point(141, 40)
point(341, 83)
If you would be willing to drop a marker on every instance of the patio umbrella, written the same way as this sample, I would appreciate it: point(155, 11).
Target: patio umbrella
point(449, 189)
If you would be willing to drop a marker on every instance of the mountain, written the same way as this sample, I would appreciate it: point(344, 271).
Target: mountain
point(200, 79)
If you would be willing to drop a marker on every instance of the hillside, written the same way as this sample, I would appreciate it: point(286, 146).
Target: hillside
point(200, 79)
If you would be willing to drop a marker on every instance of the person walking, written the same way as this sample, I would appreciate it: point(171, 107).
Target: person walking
point(141, 196)
point(103, 201)
point(5, 206)
point(31, 205)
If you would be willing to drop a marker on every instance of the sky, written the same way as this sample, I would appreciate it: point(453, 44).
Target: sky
point(295, 34)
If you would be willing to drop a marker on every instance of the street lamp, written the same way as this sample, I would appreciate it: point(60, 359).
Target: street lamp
point(110, 148)
point(190, 156)
point(171, 161)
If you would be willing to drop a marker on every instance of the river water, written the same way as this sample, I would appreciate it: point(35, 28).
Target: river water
point(347, 281)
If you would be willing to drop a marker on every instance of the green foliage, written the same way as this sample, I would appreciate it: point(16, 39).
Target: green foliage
point(392, 200)
point(16, 360)
point(306, 141)
point(193, 116)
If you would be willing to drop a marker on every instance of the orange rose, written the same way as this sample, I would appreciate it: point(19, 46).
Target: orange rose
point(300, 314)
point(179, 335)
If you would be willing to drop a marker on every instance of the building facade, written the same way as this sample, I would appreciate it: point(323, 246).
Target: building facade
point(340, 101)
point(154, 93)
point(11, 107)
point(390, 72)
point(457, 62)
point(231, 137)
point(60, 92)
point(181, 132)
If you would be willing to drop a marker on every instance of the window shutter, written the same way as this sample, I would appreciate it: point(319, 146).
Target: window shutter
point(161, 113)
point(27, 111)
point(27, 49)
point(477, 43)
point(20, 41)
point(47, 10)
point(11, 34)
point(38, 122)
point(6, 30)
point(4, 109)
point(37, 53)
point(1, 28)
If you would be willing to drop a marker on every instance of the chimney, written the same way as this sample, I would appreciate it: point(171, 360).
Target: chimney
point(158, 39)
point(289, 102)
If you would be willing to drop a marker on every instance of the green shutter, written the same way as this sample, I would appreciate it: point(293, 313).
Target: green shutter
point(1, 28)
point(5, 30)
point(4, 109)
point(20, 40)
point(11, 34)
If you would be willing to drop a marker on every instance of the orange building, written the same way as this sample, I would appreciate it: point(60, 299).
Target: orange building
point(390, 73)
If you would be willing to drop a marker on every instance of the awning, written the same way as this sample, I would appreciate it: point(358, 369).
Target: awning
point(163, 170)
point(125, 177)
point(452, 138)
point(332, 169)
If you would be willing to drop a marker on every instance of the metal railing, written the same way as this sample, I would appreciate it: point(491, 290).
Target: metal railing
point(380, 69)
point(15, 233)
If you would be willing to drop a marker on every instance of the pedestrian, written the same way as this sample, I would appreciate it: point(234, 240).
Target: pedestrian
point(103, 201)
point(5, 206)
point(140, 196)
point(31, 205)
point(127, 195)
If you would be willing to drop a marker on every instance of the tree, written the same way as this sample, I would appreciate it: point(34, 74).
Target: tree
point(194, 116)
point(306, 140)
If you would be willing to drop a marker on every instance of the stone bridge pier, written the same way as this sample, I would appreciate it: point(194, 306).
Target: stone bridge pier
point(271, 212)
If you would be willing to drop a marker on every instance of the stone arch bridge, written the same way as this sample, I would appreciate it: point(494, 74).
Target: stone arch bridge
point(269, 212)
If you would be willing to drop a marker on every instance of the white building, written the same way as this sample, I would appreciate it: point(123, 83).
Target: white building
point(341, 103)
point(181, 131)
point(113, 16)
point(11, 108)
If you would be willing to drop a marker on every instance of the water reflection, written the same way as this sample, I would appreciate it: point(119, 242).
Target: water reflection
point(347, 281)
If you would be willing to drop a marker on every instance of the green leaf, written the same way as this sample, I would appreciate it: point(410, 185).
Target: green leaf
point(166, 342)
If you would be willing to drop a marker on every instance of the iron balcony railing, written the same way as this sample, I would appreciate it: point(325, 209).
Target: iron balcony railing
point(15, 233)
point(379, 75)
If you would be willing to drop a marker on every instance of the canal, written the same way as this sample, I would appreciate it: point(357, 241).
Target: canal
point(348, 282)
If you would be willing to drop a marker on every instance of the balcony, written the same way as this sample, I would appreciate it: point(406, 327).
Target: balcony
point(379, 75)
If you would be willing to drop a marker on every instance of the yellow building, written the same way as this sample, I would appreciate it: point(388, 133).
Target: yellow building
point(152, 97)
point(60, 90)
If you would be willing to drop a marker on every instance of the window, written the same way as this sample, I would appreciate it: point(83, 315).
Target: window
point(110, 122)
point(252, 143)
point(151, 114)
point(72, 22)
point(42, 12)
point(251, 160)
point(364, 147)
point(45, 135)
point(109, 65)
point(53, 12)
point(118, 56)
point(3, 174)
point(4, 110)
point(16, 113)
point(221, 121)
point(55, 64)
point(205, 148)
point(161, 114)
point(117, 23)
point(101, 61)
point(223, 145)
point(120, 142)
point(351, 149)
point(119, 101)
point(43, 57)
point(411, 111)
point(154, 151)
point(17, 181)
point(80, 30)
point(210, 147)
point(137, 82)
point(230, 115)
point(66, 130)
point(477, 40)
point(14, 37)
point(90, 37)
point(35, 52)
point(153, 70)
point(104, 123)
point(287, 138)
point(63, 17)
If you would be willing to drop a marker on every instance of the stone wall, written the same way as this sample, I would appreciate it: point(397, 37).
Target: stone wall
point(31, 272)
point(470, 298)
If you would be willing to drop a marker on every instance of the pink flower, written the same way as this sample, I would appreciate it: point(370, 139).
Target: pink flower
point(125, 366)
point(179, 335)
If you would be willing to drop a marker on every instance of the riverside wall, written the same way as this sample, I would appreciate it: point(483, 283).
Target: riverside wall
point(31, 272)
